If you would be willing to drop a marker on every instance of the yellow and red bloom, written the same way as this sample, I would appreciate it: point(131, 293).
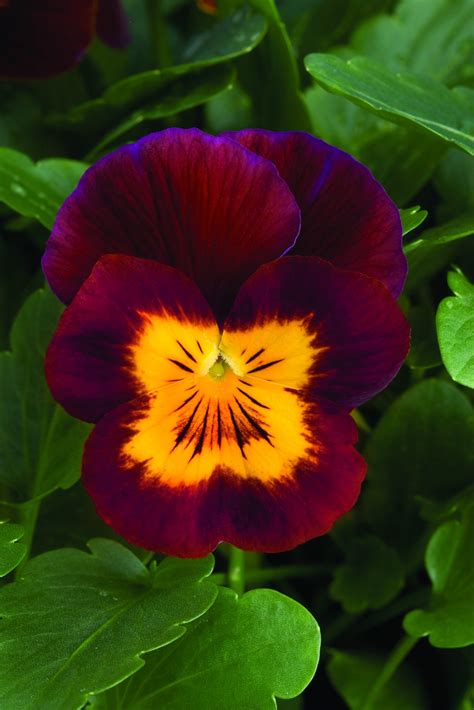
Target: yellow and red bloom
point(41, 38)
point(231, 299)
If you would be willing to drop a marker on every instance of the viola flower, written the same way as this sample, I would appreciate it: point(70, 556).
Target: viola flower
point(41, 38)
point(231, 301)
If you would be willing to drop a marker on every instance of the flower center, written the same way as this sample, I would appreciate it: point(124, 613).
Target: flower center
point(219, 369)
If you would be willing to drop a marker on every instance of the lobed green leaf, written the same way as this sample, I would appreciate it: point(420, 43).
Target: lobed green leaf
point(448, 620)
point(242, 654)
point(455, 326)
point(371, 576)
point(75, 624)
point(422, 446)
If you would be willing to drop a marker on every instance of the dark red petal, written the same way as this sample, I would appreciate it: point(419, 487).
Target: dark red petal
point(112, 24)
point(40, 38)
point(202, 204)
point(91, 365)
point(190, 520)
point(347, 217)
point(357, 327)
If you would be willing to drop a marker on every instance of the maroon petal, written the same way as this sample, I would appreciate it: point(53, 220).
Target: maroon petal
point(189, 520)
point(93, 364)
point(112, 24)
point(352, 322)
point(40, 38)
point(202, 204)
point(347, 217)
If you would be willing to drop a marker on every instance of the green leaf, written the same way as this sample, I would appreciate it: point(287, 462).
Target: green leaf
point(40, 445)
point(448, 620)
point(409, 39)
point(422, 446)
point(412, 217)
point(454, 181)
point(402, 159)
point(37, 190)
point(371, 576)
point(455, 326)
point(402, 98)
point(424, 351)
point(353, 674)
point(431, 37)
point(458, 228)
point(166, 91)
point(436, 248)
point(76, 623)
point(242, 654)
point(276, 83)
point(181, 95)
point(11, 551)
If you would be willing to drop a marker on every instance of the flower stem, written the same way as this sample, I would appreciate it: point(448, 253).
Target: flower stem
point(28, 516)
point(273, 574)
point(158, 34)
point(397, 656)
point(236, 571)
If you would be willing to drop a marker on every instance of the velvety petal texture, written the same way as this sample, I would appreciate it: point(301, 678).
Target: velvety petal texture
point(190, 520)
point(347, 217)
point(220, 368)
point(204, 205)
point(360, 334)
point(241, 434)
point(40, 38)
point(90, 365)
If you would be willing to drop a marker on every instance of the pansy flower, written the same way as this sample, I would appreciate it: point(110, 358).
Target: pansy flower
point(41, 38)
point(231, 300)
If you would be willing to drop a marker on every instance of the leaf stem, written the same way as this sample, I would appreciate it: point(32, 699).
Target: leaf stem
point(397, 656)
point(28, 517)
point(361, 421)
point(236, 571)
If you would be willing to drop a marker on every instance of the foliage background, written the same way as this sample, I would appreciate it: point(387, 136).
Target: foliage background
point(392, 586)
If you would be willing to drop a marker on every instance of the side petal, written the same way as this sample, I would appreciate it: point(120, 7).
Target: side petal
point(188, 518)
point(130, 330)
point(41, 39)
point(112, 24)
point(347, 332)
point(347, 217)
point(202, 204)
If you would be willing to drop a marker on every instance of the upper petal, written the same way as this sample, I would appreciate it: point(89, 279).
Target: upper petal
point(347, 217)
point(202, 204)
point(40, 39)
point(352, 337)
point(126, 334)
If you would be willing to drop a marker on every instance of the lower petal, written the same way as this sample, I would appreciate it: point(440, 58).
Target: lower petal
point(186, 512)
